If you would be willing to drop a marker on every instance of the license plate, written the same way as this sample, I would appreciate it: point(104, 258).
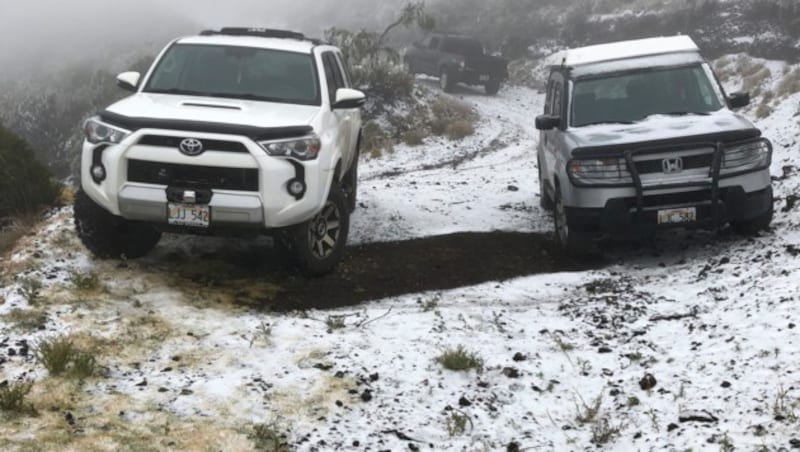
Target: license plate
point(193, 215)
point(484, 78)
point(677, 216)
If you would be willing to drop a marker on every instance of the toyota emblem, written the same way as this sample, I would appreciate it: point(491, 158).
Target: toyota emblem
point(191, 146)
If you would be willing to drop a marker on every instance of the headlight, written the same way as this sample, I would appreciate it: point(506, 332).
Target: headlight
point(306, 148)
point(600, 171)
point(98, 132)
point(748, 156)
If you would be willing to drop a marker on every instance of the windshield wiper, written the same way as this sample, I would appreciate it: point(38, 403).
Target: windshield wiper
point(606, 122)
point(684, 113)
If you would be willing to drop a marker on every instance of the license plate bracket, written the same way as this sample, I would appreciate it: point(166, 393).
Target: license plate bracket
point(192, 215)
point(677, 216)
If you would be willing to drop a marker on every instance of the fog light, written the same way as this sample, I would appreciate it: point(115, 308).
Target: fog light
point(296, 188)
point(98, 173)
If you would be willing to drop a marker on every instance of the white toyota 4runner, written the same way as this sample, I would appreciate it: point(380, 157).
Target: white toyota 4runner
point(232, 131)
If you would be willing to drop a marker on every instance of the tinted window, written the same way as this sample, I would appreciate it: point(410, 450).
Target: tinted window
point(348, 82)
point(236, 72)
point(333, 75)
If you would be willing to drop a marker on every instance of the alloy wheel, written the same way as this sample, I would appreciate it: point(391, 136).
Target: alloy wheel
point(324, 231)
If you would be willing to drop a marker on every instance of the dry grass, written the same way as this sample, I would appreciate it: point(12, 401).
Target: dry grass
point(17, 227)
point(789, 84)
point(453, 118)
point(460, 359)
point(13, 398)
point(26, 319)
point(375, 141)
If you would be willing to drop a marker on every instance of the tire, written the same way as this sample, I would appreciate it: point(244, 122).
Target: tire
point(571, 241)
point(545, 201)
point(752, 227)
point(492, 87)
point(350, 184)
point(111, 237)
point(446, 80)
point(316, 246)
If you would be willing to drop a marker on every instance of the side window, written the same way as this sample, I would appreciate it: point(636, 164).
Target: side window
point(549, 99)
point(433, 44)
point(332, 74)
point(348, 81)
point(558, 91)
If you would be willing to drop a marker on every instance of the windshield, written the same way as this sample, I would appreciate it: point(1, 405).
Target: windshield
point(464, 47)
point(236, 73)
point(634, 96)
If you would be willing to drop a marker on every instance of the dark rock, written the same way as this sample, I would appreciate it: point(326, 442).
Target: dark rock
point(725, 384)
point(792, 326)
point(672, 427)
point(163, 389)
point(464, 402)
point(374, 377)
point(366, 396)
point(637, 435)
point(795, 443)
point(604, 350)
point(648, 382)
point(142, 383)
point(69, 418)
point(323, 367)
point(413, 447)
point(698, 416)
point(513, 188)
point(519, 357)
point(186, 392)
point(511, 372)
point(339, 403)
point(513, 447)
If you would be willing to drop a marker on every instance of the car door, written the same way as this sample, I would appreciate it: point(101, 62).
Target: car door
point(554, 106)
point(354, 118)
point(342, 118)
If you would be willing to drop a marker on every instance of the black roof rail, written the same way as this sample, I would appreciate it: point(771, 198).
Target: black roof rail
point(261, 33)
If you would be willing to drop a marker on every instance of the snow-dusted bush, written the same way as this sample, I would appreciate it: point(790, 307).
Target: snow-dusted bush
point(25, 184)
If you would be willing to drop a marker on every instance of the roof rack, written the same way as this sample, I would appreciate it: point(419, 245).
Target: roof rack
point(261, 33)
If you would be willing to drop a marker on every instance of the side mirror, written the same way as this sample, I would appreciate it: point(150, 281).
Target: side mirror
point(547, 122)
point(129, 81)
point(347, 98)
point(739, 100)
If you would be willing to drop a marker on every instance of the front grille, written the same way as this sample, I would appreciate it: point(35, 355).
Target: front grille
point(689, 162)
point(675, 199)
point(190, 176)
point(208, 145)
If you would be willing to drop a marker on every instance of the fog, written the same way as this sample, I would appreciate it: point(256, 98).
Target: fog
point(40, 36)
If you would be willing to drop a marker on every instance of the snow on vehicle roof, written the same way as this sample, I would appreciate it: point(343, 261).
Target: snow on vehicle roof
point(288, 45)
point(623, 50)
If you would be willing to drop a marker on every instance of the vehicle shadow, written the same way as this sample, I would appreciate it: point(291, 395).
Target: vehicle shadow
point(257, 276)
point(458, 90)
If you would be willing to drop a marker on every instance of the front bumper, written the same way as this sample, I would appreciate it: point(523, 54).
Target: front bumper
point(622, 215)
point(258, 199)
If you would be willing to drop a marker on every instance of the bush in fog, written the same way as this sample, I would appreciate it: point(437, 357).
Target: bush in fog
point(375, 66)
point(47, 113)
point(25, 184)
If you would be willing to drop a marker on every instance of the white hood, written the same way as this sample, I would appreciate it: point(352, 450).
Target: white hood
point(215, 110)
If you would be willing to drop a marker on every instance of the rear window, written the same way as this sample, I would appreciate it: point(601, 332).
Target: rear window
point(237, 73)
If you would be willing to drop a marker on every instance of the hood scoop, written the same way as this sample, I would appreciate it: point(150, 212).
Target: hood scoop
point(207, 105)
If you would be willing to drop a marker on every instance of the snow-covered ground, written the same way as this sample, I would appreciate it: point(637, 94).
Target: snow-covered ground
point(711, 316)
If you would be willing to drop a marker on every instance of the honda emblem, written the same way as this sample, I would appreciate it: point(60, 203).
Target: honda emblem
point(672, 166)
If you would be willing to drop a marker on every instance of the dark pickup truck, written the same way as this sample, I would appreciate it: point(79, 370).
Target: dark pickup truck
point(456, 59)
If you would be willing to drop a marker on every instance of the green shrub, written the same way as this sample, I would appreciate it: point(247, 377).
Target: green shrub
point(375, 141)
point(12, 397)
point(60, 357)
point(459, 359)
point(25, 184)
point(267, 438)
